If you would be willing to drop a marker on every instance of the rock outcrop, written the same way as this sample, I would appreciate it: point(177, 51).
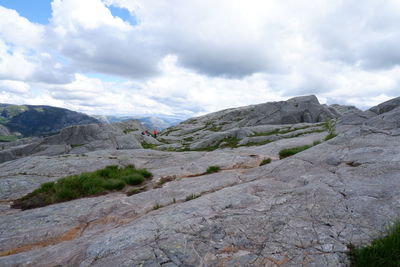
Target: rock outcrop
point(253, 124)
point(300, 211)
point(80, 139)
point(304, 109)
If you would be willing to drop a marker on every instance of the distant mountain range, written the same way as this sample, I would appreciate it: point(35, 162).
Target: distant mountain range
point(150, 122)
point(27, 120)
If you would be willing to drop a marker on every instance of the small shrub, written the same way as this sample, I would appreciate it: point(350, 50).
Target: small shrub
point(192, 196)
point(384, 251)
point(284, 153)
point(213, 169)
point(265, 161)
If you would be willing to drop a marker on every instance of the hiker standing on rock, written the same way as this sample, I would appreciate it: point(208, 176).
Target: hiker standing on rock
point(155, 134)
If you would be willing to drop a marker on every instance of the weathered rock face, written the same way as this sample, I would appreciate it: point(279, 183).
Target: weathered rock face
point(81, 139)
point(386, 106)
point(296, 110)
point(300, 211)
point(245, 123)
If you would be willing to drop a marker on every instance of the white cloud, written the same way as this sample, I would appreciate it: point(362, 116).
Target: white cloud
point(192, 57)
point(14, 87)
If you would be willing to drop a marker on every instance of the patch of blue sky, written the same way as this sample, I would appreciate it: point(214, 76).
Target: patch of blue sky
point(38, 11)
point(105, 77)
point(123, 13)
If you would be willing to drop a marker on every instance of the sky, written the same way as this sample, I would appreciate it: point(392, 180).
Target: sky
point(187, 58)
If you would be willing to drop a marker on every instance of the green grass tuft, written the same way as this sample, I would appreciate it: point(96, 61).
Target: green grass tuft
point(265, 161)
point(126, 131)
point(157, 206)
point(284, 153)
point(330, 136)
point(213, 169)
point(8, 138)
point(191, 197)
point(384, 251)
point(72, 187)
point(148, 146)
point(316, 143)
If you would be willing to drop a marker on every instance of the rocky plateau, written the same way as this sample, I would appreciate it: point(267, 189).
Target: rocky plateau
point(302, 210)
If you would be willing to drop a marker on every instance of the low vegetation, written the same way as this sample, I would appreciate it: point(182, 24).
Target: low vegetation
point(164, 180)
point(148, 146)
point(213, 169)
point(287, 152)
point(87, 184)
point(330, 127)
point(8, 138)
point(126, 131)
point(157, 206)
point(191, 197)
point(136, 190)
point(76, 145)
point(384, 251)
point(265, 161)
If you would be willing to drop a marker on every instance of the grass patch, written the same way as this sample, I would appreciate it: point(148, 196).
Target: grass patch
point(148, 146)
point(384, 251)
point(8, 138)
point(191, 197)
point(126, 131)
point(231, 142)
point(316, 143)
point(213, 169)
point(287, 152)
point(265, 161)
point(330, 127)
point(330, 136)
point(87, 184)
point(257, 143)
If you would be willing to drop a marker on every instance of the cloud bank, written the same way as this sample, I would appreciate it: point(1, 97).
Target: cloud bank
point(192, 57)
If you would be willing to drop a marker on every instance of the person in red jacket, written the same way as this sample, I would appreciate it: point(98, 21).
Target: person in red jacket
point(155, 134)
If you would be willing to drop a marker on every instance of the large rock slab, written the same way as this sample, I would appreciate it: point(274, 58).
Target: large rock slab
point(300, 211)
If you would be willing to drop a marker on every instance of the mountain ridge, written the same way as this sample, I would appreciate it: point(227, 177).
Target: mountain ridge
point(36, 120)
